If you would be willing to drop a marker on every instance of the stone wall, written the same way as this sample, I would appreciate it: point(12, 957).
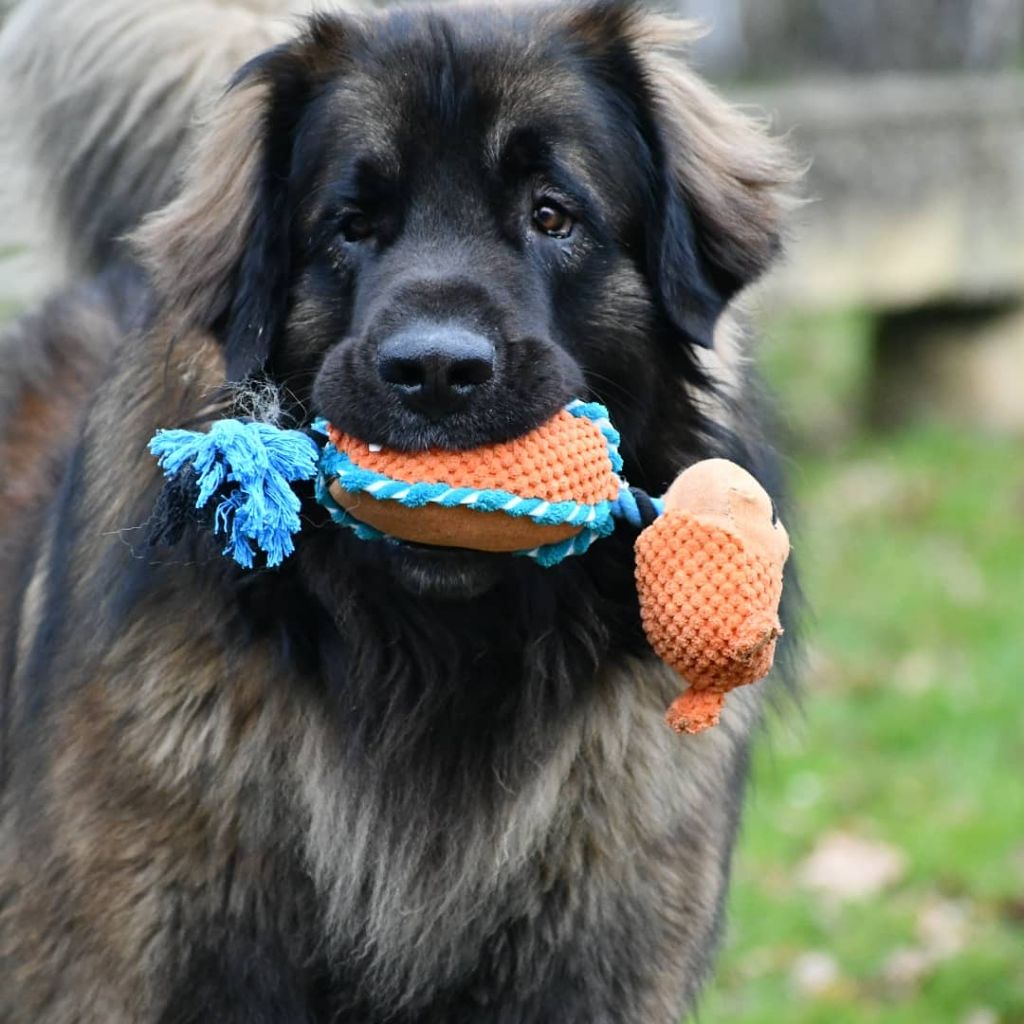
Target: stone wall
point(916, 189)
point(780, 38)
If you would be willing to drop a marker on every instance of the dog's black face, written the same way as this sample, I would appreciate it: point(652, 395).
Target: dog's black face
point(476, 213)
point(471, 237)
point(468, 229)
point(463, 221)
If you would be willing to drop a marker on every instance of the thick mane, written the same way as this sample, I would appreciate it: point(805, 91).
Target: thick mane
point(191, 247)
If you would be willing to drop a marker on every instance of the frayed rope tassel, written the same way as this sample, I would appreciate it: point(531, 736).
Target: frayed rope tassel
point(260, 512)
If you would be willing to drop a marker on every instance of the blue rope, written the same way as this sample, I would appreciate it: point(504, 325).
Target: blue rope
point(627, 508)
point(258, 463)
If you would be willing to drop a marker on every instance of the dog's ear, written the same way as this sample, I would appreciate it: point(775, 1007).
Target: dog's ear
point(219, 254)
point(725, 187)
point(719, 184)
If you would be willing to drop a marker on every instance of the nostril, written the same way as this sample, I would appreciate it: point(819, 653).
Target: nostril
point(470, 373)
point(406, 373)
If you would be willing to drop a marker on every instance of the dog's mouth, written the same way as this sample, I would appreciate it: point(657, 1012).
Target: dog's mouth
point(416, 559)
point(451, 521)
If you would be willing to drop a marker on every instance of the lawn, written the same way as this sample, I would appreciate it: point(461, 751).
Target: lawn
point(906, 768)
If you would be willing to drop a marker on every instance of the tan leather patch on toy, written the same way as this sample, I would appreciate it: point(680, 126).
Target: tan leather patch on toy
point(451, 527)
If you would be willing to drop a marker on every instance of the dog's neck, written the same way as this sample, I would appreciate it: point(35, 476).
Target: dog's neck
point(461, 683)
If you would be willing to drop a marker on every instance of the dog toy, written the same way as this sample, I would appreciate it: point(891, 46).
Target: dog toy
point(547, 495)
point(709, 557)
point(709, 577)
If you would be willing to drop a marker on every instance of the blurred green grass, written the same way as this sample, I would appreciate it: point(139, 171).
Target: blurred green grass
point(912, 552)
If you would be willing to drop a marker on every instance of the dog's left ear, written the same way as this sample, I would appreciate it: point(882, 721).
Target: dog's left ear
point(220, 254)
point(725, 187)
point(720, 185)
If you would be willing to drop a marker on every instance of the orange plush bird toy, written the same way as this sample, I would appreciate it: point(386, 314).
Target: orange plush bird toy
point(709, 557)
point(709, 576)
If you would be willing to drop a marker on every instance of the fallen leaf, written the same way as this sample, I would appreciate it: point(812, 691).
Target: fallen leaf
point(917, 672)
point(905, 969)
point(942, 928)
point(956, 571)
point(847, 867)
point(982, 1015)
point(814, 974)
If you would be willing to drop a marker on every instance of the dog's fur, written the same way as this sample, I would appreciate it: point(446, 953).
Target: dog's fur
point(374, 785)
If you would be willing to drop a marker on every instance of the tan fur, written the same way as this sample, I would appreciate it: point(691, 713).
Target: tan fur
point(742, 179)
point(596, 816)
point(739, 178)
point(42, 394)
point(193, 245)
point(121, 81)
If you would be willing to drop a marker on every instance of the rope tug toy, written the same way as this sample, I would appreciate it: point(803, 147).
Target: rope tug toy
point(709, 557)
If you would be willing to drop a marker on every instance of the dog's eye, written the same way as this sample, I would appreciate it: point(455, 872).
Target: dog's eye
point(356, 226)
point(550, 218)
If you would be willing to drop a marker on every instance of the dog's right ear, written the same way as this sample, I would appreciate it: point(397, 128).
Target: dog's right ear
point(219, 254)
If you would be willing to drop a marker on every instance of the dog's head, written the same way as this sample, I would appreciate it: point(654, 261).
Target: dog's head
point(435, 227)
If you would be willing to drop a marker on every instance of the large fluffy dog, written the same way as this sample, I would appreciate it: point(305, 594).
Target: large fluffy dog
point(379, 784)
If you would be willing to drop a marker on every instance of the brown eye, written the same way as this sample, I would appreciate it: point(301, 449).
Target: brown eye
point(356, 227)
point(552, 220)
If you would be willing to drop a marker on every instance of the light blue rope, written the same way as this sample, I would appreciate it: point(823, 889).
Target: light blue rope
point(625, 507)
point(261, 461)
point(356, 479)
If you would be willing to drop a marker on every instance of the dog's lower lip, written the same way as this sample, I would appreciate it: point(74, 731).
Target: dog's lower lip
point(442, 553)
point(442, 572)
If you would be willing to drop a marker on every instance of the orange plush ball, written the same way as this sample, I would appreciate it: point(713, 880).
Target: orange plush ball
point(564, 461)
point(709, 577)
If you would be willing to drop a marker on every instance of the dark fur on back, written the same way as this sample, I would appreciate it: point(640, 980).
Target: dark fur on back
point(368, 786)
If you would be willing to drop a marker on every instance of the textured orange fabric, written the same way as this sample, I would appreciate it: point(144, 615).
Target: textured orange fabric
point(565, 459)
point(709, 586)
point(695, 711)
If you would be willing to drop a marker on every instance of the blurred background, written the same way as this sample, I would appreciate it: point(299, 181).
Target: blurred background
point(880, 876)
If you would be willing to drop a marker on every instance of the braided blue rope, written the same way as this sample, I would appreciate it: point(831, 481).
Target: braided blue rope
point(251, 467)
point(625, 507)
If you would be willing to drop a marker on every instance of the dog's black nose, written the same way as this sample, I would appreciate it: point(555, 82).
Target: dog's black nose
point(435, 370)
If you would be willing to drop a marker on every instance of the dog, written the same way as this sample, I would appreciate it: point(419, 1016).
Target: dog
point(382, 783)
